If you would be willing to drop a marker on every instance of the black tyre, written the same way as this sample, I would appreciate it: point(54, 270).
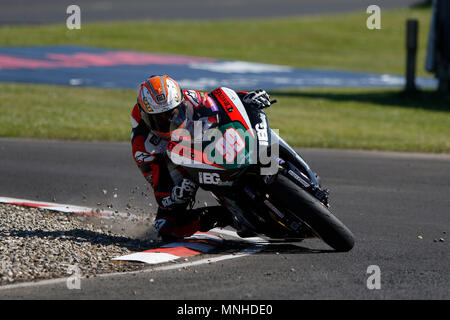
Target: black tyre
point(286, 194)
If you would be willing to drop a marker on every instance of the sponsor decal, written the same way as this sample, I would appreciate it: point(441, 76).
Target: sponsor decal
point(143, 156)
point(159, 223)
point(193, 96)
point(147, 104)
point(261, 131)
point(209, 178)
point(298, 178)
point(167, 201)
point(212, 178)
point(161, 97)
point(224, 100)
point(177, 97)
point(155, 140)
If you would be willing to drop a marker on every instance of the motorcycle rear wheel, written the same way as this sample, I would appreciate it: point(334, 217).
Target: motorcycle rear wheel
point(312, 212)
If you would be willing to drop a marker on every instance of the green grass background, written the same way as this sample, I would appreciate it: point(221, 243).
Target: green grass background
point(324, 41)
point(338, 118)
point(379, 119)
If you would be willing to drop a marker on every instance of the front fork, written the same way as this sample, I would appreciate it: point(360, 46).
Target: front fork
point(297, 170)
point(288, 154)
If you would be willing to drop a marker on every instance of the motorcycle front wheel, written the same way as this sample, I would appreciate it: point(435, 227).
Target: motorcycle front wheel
point(286, 195)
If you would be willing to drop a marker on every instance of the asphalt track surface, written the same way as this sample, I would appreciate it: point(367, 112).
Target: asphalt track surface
point(387, 199)
point(54, 11)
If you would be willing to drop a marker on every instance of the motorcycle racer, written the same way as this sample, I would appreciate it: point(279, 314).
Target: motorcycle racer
point(161, 108)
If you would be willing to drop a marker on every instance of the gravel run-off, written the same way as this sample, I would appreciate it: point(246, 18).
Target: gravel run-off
point(39, 244)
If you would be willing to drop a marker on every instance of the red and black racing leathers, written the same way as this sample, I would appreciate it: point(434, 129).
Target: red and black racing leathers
point(173, 219)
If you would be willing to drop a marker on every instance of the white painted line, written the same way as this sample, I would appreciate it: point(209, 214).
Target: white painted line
point(146, 257)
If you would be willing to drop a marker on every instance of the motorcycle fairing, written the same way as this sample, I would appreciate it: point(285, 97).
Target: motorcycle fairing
point(235, 148)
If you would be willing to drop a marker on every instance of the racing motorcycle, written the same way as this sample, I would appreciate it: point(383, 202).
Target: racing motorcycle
point(229, 149)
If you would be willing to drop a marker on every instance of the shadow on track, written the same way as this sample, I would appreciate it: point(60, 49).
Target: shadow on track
point(275, 247)
point(427, 100)
point(81, 236)
point(104, 239)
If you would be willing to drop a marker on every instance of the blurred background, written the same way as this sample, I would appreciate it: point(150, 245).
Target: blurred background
point(49, 11)
point(347, 74)
point(340, 84)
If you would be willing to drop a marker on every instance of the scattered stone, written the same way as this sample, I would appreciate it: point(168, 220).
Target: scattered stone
point(37, 244)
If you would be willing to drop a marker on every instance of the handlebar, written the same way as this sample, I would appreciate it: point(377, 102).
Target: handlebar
point(271, 103)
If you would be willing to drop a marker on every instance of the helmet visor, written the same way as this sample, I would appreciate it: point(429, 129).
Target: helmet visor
point(159, 122)
point(166, 122)
point(180, 115)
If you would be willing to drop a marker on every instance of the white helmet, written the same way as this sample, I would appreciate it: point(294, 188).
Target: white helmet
point(159, 99)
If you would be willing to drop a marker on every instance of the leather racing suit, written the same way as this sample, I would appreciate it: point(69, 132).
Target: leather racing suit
point(174, 193)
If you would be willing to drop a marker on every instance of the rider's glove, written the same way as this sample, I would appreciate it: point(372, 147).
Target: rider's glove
point(259, 98)
point(184, 192)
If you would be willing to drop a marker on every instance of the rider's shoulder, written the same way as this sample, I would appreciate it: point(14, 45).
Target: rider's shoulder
point(193, 97)
point(135, 116)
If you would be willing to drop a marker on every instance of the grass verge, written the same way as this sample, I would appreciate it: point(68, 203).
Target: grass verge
point(373, 119)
